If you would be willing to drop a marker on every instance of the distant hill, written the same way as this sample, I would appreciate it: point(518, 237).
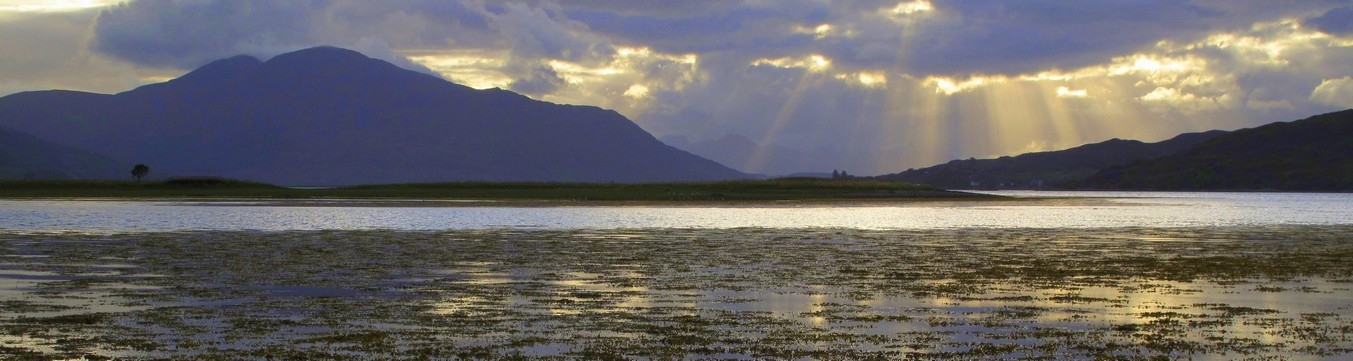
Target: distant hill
point(24, 156)
point(1055, 169)
point(330, 116)
point(1312, 154)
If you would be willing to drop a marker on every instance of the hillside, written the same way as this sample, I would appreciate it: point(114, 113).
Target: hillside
point(24, 156)
point(329, 116)
point(1055, 169)
point(1313, 154)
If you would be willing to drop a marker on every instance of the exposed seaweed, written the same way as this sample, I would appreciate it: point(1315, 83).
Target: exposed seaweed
point(1272, 292)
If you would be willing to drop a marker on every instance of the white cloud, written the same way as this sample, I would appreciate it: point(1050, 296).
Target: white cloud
point(866, 79)
point(1065, 92)
point(1334, 92)
point(813, 62)
point(637, 91)
point(52, 5)
point(1174, 100)
point(911, 7)
point(479, 69)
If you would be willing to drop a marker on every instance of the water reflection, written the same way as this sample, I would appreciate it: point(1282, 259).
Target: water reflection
point(1115, 210)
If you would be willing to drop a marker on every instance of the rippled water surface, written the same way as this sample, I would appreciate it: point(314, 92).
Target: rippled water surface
point(1071, 210)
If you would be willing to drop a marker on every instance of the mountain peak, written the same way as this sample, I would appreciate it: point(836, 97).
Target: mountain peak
point(321, 53)
point(323, 58)
point(327, 66)
point(223, 69)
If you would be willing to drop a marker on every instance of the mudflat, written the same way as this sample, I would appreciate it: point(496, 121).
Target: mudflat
point(1124, 293)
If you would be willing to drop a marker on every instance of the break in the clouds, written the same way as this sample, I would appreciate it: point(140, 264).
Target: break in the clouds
point(870, 86)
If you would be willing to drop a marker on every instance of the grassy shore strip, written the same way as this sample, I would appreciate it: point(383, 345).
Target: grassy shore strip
point(750, 190)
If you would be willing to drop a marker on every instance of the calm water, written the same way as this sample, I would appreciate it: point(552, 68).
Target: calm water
point(1118, 209)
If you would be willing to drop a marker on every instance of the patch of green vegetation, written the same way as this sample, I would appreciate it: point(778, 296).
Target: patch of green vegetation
point(173, 188)
point(779, 189)
point(749, 190)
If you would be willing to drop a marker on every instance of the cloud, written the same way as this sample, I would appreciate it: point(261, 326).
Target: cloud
point(1338, 21)
point(1334, 92)
point(820, 93)
point(536, 79)
point(545, 32)
point(50, 6)
point(871, 86)
point(540, 38)
point(205, 30)
point(949, 38)
point(379, 49)
point(1065, 92)
point(45, 50)
point(189, 33)
point(185, 34)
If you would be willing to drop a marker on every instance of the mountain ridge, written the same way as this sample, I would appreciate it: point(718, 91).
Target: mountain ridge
point(331, 116)
point(23, 156)
point(1045, 170)
point(1311, 154)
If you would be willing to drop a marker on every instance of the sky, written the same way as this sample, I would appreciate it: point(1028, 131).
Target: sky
point(866, 86)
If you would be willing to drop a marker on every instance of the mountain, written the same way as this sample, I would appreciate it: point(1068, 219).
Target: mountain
point(1312, 154)
point(23, 156)
point(1055, 169)
point(330, 116)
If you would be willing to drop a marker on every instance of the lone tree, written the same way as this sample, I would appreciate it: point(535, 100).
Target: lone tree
point(140, 170)
point(840, 175)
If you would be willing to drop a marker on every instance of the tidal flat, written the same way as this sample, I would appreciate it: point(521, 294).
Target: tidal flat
point(1247, 292)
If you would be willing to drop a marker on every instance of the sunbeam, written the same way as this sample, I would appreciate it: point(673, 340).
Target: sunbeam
point(811, 77)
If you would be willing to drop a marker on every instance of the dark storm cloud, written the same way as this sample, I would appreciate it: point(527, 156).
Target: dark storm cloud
point(958, 37)
point(1028, 36)
point(1338, 21)
point(187, 33)
point(762, 29)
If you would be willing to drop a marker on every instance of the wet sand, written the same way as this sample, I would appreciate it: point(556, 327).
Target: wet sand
point(1125, 293)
